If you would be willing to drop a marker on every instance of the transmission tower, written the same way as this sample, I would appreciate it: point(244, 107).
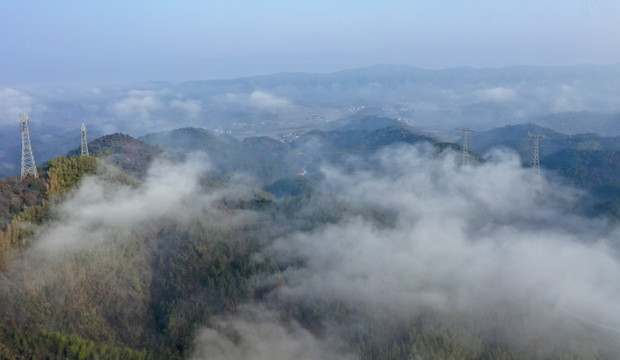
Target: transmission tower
point(535, 153)
point(28, 165)
point(84, 141)
point(465, 154)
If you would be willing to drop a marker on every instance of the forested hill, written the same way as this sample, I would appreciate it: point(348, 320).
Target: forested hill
point(127, 293)
point(29, 200)
point(270, 160)
point(123, 151)
point(278, 163)
point(517, 137)
point(598, 171)
point(96, 264)
point(586, 167)
point(28, 329)
point(365, 122)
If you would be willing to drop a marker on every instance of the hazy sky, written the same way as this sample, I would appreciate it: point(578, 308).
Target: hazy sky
point(110, 41)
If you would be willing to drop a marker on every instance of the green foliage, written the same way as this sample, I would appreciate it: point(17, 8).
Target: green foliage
point(145, 292)
point(18, 195)
point(15, 344)
point(131, 155)
point(609, 208)
point(25, 203)
point(207, 271)
point(263, 157)
point(586, 168)
point(292, 186)
point(64, 173)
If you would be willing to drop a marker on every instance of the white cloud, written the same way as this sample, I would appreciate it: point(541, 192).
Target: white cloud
point(568, 99)
point(12, 104)
point(257, 334)
point(257, 100)
point(465, 241)
point(266, 101)
point(191, 108)
point(144, 111)
point(138, 104)
point(498, 94)
point(98, 207)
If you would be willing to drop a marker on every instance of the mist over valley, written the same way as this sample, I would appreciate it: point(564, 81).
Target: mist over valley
point(243, 180)
point(359, 242)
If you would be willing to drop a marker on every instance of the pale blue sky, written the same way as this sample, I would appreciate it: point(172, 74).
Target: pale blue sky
point(125, 41)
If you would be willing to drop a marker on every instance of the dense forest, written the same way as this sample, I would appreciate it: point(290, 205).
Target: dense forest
point(139, 254)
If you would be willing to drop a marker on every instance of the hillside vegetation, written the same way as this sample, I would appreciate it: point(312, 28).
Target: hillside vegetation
point(133, 254)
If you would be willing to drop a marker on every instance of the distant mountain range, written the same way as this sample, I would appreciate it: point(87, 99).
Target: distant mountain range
point(571, 100)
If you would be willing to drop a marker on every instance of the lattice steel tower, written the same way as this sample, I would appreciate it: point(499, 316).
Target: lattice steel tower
point(84, 141)
point(465, 160)
point(535, 152)
point(28, 165)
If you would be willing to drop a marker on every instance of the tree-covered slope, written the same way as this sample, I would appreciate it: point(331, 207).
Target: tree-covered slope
point(139, 294)
point(586, 168)
point(395, 253)
point(261, 157)
point(270, 160)
point(123, 151)
point(596, 171)
point(517, 137)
